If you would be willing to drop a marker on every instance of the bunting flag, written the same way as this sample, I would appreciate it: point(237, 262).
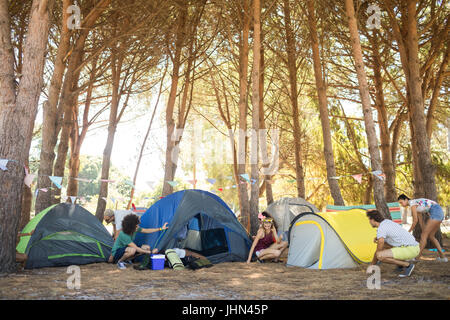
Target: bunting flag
point(291, 180)
point(43, 189)
point(104, 198)
point(253, 181)
point(358, 177)
point(150, 183)
point(379, 174)
point(107, 181)
point(336, 178)
point(220, 189)
point(173, 183)
point(56, 181)
point(193, 182)
point(113, 200)
point(210, 180)
point(29, 179)
point(230, 177)
point(130, 183)
point(82, 179)
point(245, 176)
point(73, 199)
point(3, 163)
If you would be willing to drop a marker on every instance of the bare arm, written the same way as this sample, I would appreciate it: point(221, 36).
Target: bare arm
point(415, 217)
point(259, 235)
point(151, 230)
point(140, 250)
point(380, 246)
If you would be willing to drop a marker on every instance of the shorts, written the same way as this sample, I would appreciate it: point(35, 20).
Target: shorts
point(405, 252)
point(436, 212)
point(119, 254)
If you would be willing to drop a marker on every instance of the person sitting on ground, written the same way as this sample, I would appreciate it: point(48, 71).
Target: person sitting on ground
point(265, 237)
point(22, 257)
point(124, 249)
point(429, 207)
point(282, 243)
point(109, 218)
point(395, 245)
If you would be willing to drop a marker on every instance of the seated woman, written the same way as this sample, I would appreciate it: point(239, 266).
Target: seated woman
point(265, 245)
point(124, 248)
point(282, 242)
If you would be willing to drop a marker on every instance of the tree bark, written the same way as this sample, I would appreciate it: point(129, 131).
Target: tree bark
point(254, 153)
point(323, 109)
point(374, 152)
point(170, 122)
point(417, 105)
point(50, 117)
point(292, 68)
point(243, 103)
point(17, 114)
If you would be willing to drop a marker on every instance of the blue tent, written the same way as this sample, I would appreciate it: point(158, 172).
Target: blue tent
point(199, 221)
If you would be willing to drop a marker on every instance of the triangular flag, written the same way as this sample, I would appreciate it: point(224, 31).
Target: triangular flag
point(230, 177)
point(291, 180)
point(335, 178)
point(150, 183)
point(246, 177)
point(73, 199)
point(56, 181)
point(253, 181)
point(108, 181)
point(130, 183)
point(36, 193)
point(3, 163)
point(193, 182)
point(173, 183)
point(29, 179)
point(211, 180)
point(104, 198)
point(233, 186)
point(113, 200)
point(358, 177)
point(64, 198)
point(220, 189)
point(43, 189)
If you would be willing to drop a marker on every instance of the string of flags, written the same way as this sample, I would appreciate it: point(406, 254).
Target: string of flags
point(246, 179)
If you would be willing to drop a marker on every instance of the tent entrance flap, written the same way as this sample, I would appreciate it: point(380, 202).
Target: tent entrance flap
point(308, 251)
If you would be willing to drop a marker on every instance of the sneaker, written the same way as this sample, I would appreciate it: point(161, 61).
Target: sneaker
point(128, 262)
point(407, 272)
point(444, 259)
point(121, 265)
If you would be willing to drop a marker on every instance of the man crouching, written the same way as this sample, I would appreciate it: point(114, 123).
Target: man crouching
point(395, 245)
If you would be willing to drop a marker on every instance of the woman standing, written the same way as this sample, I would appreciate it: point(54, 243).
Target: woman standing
point(420, 207)
point(266, 236)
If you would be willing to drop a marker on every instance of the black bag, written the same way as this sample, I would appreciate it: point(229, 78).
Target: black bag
point(199, 263)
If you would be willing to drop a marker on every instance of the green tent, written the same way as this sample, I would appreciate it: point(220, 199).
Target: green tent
point(65, 234)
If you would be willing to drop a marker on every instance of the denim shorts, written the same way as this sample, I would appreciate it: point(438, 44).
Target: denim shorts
point(436, 212)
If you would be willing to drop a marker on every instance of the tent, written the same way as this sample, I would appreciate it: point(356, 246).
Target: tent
point(394, 209)
point(328, 240)
point(65, 234)
point(285, 210)
point(199, 221)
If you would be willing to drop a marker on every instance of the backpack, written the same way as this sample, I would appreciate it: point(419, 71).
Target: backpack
point(199, 263)
point(174, 260)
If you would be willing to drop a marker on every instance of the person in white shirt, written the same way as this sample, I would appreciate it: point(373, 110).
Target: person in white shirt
point(395, 245)
point(420, 207)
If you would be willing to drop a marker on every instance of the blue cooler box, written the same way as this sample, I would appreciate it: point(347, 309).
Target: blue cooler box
point(158, 261)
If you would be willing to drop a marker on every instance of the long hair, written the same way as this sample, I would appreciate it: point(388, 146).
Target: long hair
point(267, 215)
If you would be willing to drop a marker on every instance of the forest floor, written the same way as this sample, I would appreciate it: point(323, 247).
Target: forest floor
point(229, 281)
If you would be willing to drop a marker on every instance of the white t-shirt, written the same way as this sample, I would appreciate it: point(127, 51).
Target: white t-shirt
point(423, 205)
point(394, 234)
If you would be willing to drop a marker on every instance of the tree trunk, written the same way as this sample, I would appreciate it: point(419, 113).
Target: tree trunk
point(374, 152)
point(385, 139)
point(292, 68)
point(254, 153)
point(170, 122)
point(243, 94)
point(116, 71)
point(417, 106)
point(17, 116)
point(50, 117)
point(263, 132)
point(323, 109)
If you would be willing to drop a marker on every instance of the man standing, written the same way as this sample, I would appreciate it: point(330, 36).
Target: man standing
point(395, 244)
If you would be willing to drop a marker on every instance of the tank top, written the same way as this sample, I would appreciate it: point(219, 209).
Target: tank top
point(265, 242)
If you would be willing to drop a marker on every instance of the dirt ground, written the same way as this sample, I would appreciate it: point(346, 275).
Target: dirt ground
point(229, 281)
